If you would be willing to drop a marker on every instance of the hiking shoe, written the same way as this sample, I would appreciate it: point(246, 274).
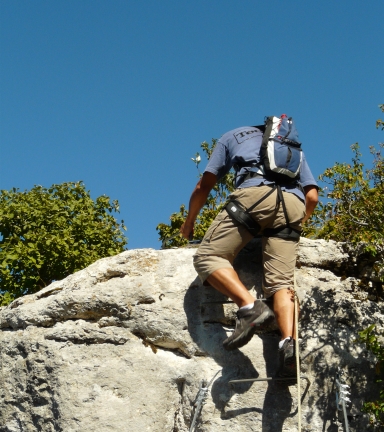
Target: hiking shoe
point(287, 359)
point(271, 325)
point(247, 323)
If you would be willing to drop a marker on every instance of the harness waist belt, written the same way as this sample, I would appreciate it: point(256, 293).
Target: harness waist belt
point(282, 232)
point(253, 175)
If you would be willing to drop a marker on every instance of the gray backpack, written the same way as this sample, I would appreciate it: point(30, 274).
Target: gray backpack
point(280, 152)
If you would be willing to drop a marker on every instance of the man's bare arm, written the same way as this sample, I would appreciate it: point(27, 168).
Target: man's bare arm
point(311, 200)
point(198, 199)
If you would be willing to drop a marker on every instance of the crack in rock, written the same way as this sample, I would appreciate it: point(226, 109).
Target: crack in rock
point(156, 346)
point(83, 332)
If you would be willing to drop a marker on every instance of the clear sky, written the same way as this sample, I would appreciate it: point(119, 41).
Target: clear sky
point(120, 94)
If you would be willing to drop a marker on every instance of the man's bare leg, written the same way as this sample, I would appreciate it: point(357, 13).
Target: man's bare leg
point(284, 308)
point(248, 320)
point(228, 283)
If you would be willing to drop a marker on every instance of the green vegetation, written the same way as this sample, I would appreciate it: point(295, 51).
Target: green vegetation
point(48, 234)
point(380, 123)
point(375, 409)
point(354, 211)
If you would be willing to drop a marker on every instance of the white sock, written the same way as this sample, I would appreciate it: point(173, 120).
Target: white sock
point(281, 343)
point(247, 307)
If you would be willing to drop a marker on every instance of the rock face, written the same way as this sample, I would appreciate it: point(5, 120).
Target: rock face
point(125, 344)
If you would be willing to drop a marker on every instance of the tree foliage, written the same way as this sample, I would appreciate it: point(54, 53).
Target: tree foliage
point(375, 409)
point(354, 209)
point(379, 122)
point(48, 234)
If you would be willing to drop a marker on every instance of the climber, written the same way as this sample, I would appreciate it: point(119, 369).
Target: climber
point(279, 209)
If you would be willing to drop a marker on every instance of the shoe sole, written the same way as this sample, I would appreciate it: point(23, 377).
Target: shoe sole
point(248, 333)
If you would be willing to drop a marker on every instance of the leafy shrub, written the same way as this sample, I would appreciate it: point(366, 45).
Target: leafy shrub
point(354, 211)
point(375, 408)
point(352, 206)
point(48, 234)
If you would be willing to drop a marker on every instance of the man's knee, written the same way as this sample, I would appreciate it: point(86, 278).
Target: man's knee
point(205, 265)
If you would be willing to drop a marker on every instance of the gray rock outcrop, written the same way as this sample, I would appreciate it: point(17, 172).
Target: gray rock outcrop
point(125, 344)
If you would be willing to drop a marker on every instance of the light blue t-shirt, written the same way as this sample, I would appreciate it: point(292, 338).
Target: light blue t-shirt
point(241, 147)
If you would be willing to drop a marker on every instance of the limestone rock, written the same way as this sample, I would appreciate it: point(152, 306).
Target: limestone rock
point(125, 344)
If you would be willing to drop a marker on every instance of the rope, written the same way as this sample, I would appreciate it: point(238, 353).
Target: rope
point(297, 353)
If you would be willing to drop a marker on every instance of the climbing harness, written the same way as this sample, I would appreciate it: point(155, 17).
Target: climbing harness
point(200, 400)
point(242, 216)
point(237, 212)
point(280, 162)
point(342, 394)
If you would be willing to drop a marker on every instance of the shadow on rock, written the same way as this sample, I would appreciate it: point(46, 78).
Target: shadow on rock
point(209, 336)
point(204, 310)
point(278, 400)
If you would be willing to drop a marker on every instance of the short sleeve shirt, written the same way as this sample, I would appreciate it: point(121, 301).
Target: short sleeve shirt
point(241, 147)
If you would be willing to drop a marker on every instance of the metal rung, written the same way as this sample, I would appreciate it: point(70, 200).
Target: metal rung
point(267, 379)
point(217, 302)
point(304, 377)
point(226, 301)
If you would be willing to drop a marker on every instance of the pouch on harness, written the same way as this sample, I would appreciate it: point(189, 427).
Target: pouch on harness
point(280, 162)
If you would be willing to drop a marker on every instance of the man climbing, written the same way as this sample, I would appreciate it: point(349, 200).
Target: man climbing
point(279, 212)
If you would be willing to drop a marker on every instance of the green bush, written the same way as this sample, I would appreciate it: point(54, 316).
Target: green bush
point(354, 211)
point(375, 409)
point(48, 234)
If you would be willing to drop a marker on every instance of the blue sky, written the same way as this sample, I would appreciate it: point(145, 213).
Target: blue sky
point(120, 94)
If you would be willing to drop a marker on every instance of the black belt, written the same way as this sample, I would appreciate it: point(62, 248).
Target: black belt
point(253, 175)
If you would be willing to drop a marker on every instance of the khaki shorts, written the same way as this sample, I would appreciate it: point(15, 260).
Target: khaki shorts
point(226, 237)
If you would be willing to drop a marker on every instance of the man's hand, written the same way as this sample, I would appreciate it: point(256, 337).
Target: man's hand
point(186, 230)
point(198, 199)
